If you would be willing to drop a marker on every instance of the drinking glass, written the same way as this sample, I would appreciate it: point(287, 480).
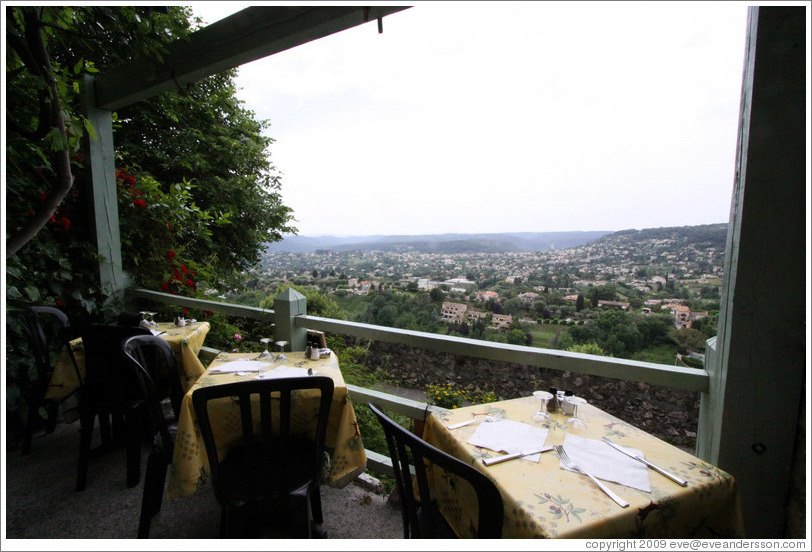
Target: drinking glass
point(148, 318)
point(574, 421)
point(144, 321)
point(542, 414)
point(266, 354)
point(281, 355)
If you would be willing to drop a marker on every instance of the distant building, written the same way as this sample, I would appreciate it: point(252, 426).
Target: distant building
point(453, 312)
point(528, 297)
point(472, 315)
point(484, 296)
point(613, 304)
point(459, 283)
point(501, 321)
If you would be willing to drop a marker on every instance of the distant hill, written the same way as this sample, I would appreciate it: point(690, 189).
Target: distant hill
point(703, 236)
point(439, 243)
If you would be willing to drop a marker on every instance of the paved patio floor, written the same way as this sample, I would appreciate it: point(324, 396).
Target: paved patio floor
point(41, 502)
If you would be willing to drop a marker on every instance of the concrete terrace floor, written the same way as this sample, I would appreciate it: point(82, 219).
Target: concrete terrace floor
point(41, 502)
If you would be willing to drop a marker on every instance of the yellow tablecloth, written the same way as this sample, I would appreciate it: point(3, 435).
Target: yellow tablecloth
point(185, 341)
point(541, 500)
point(190, 465)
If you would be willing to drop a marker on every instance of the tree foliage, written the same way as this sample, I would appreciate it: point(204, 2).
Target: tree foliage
point(197, 191)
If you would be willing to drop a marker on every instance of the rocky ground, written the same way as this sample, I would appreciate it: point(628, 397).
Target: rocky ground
point(668, 414)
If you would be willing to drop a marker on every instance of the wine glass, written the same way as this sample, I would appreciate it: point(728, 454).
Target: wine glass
point(281, 355)
point(266, 354)
point(574, 419)
point(148, 321)
point(542, 414)
point(144, 321)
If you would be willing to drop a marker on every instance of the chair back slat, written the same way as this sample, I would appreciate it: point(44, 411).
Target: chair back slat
point(420, 513)
point(268, 456)
point(152, 361)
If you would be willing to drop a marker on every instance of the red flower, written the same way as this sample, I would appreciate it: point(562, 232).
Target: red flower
point(64, 222)
point(164, 286)
point(185, 311)
point(190, 283)
point(43, 196)
point(183, 268)
point(59, 303)
point(140, 203)
point(170, 255)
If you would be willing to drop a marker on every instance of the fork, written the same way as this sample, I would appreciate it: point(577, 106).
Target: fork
point(571, 465)
point(494, 418)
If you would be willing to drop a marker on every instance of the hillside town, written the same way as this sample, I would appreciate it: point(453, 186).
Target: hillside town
point(677, 271)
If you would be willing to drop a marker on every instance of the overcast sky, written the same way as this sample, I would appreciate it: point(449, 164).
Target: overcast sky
point(506, 117)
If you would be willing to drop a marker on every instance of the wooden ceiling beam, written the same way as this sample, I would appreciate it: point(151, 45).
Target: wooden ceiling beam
point(246, 36)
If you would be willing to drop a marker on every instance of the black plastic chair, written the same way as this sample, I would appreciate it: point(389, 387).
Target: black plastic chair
point(128, 318)
point(421, 516)
point(112, 394)
point(275, 470)
point(43, 346)
point(153, 363)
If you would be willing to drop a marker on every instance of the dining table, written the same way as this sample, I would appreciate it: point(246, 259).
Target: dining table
point(186, 342)
point(345, 456)
point(543, 499)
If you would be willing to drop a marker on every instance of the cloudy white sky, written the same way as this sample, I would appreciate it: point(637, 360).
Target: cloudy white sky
point(506, 117)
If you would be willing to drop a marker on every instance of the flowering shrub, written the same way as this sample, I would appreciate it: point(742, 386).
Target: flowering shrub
point(153, 220)
point(446, 395)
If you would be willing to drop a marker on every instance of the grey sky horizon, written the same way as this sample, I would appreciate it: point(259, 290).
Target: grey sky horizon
point(489, 117)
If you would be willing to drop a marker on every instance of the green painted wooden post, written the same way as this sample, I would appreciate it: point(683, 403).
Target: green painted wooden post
point(287, 306)
point(749, 417)
point(104, 200)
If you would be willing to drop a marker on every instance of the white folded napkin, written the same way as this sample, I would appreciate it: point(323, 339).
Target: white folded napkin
point(509, 437)
point(239, 366)
point(606, 463)
point(283, 372)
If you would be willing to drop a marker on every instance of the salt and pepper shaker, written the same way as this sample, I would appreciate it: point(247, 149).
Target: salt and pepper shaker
point(567, 407)
point(552, 404)
point(180, 322)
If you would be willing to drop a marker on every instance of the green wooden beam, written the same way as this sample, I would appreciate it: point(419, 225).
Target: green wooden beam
point(246, 36)
point(749, 419)
point(103, 197)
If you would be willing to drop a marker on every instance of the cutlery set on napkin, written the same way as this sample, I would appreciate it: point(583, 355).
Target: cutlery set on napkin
point(243, 367)
point(603, 459)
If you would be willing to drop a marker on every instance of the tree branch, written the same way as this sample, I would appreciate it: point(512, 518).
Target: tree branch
point(64, 177)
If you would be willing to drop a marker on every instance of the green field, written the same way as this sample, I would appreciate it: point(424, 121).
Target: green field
point(544, 334)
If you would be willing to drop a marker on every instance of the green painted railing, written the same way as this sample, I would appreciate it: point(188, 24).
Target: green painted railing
point(676, 377)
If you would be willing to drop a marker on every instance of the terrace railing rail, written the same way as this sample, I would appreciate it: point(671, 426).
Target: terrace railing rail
point(290, 319)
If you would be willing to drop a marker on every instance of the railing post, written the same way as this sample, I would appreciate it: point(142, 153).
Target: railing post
point(287, 306)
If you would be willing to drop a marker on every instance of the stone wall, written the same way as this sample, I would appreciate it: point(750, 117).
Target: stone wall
point(668, 414)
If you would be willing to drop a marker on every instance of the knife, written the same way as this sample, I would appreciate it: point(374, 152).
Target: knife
point(498, 459)
point(671, 476)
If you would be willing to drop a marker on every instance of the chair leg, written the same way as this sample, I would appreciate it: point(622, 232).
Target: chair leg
point(315, 505)
point(133, 441)
point(53, 415)
point(104, 427)
point(152, 499)
point(30, 422)
point(85, 439)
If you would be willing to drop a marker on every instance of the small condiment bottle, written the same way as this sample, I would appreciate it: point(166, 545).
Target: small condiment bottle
point(566, 405)
point(552, 404)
